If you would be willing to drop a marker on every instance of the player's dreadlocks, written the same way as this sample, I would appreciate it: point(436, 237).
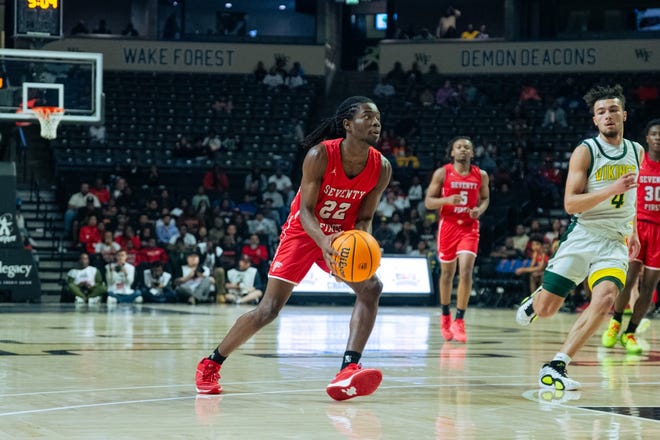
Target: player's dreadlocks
point(333, 127)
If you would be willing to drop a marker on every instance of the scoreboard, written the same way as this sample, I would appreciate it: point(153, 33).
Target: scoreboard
point(38, 18)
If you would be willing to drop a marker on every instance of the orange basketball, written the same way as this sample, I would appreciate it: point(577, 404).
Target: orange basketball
point(359, 256)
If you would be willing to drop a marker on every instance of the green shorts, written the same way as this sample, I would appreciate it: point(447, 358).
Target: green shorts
point(584, 254)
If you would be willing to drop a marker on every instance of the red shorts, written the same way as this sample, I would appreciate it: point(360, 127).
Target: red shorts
point(649, 237)
point(454, 239)
point(293, 258)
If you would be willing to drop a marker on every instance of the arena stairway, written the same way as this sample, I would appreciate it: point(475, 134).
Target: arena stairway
point(45, 223)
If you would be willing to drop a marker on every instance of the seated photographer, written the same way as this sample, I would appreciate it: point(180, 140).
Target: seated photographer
point(120, 276)
point(157, 285)
point(196, 284)
point(85, 282)
point(242, 282)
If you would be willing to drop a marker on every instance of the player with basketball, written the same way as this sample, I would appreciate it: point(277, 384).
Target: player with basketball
point(648, 229)
point(600, 194)
point(342, 182)
point(460, 191)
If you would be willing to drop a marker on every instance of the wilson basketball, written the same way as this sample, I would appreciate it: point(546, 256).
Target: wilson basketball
point(359, 256)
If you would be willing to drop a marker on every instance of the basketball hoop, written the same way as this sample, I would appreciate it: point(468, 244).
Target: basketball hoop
point(49, 118)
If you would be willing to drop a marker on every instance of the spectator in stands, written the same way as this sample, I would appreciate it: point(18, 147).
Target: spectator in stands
point(414, 76)
point(166, 229)
point(528, 93)
point(555, 233)
point(120, 276)
point(85, 282)
point(555, 116)
point(282, 182)
point(415, 192)
point(432, 77)
point(212, 145)
point(151, 252)
point(130, 31)
point(538, 262)
point(171, 30)
point(199, 198)
point(97, 134)
point(77, 201)
point(216, 181)
point(89, 234)
point(195, 284)
point(424, 34)
point(184, 148)
point(257, 252)
point(408, 236)
point(102, 28)
point(122, 193)
point(128, 234)
point(396, 76)
point(520, 239)
point(507, 250)
point(255, 180)
point(483, 33)
point(386, 206)
point(273, 79)
point(189, 239)
point(271, 213)
point(384, 88)
point(157, 286)
point(446, 95)
point(263, 226)
point(243, 283)
point(274, 195)
point(80, 28)
point(100, 191)
point(550, 180)
point(224, 104)
point(470, 33)
point(384, 235)
point(394, 223)
point(153, 177)
point(107, 248)
point(426, 98)
point(217, 231)
point(260, 72)
point(295, 77)
point(447, 24)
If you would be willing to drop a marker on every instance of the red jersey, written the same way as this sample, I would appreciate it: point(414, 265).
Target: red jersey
point(467, 187)
point(339, 197)
point(648, 191)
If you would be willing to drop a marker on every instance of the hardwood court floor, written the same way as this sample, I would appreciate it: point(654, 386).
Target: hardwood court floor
point(127, 374)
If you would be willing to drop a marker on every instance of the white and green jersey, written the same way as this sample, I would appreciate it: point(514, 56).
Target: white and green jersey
point(612, 217)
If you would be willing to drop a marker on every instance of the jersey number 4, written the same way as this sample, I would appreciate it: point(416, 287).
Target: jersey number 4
point(617, 201)
point(332, 209)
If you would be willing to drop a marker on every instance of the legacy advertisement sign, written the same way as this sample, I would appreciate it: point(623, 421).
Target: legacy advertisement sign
point(474, 56)
point(164, 56)
point(18, 272)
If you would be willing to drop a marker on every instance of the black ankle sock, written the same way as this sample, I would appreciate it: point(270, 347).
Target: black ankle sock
point(460, 313)
point(618, 317)
point(631, 327)
point(445, 309)
point(217, 357)
point(350, 357)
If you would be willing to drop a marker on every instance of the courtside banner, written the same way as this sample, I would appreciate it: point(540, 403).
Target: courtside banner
point(488, 57)
point(399, 275)
point(166, 56)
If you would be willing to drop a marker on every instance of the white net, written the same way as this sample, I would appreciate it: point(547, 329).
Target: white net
point(49, 118)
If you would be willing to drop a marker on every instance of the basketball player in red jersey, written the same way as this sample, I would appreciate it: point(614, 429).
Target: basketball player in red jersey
point(648, 229)
point(342, 182)
point(460, 191)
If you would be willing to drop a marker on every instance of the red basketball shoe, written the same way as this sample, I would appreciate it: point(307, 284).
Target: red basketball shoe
point(458, 330)
point(353, 381)
point(445, 327)
point(207, 376)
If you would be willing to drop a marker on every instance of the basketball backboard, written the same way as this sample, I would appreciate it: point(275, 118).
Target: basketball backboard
point(72, 80)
